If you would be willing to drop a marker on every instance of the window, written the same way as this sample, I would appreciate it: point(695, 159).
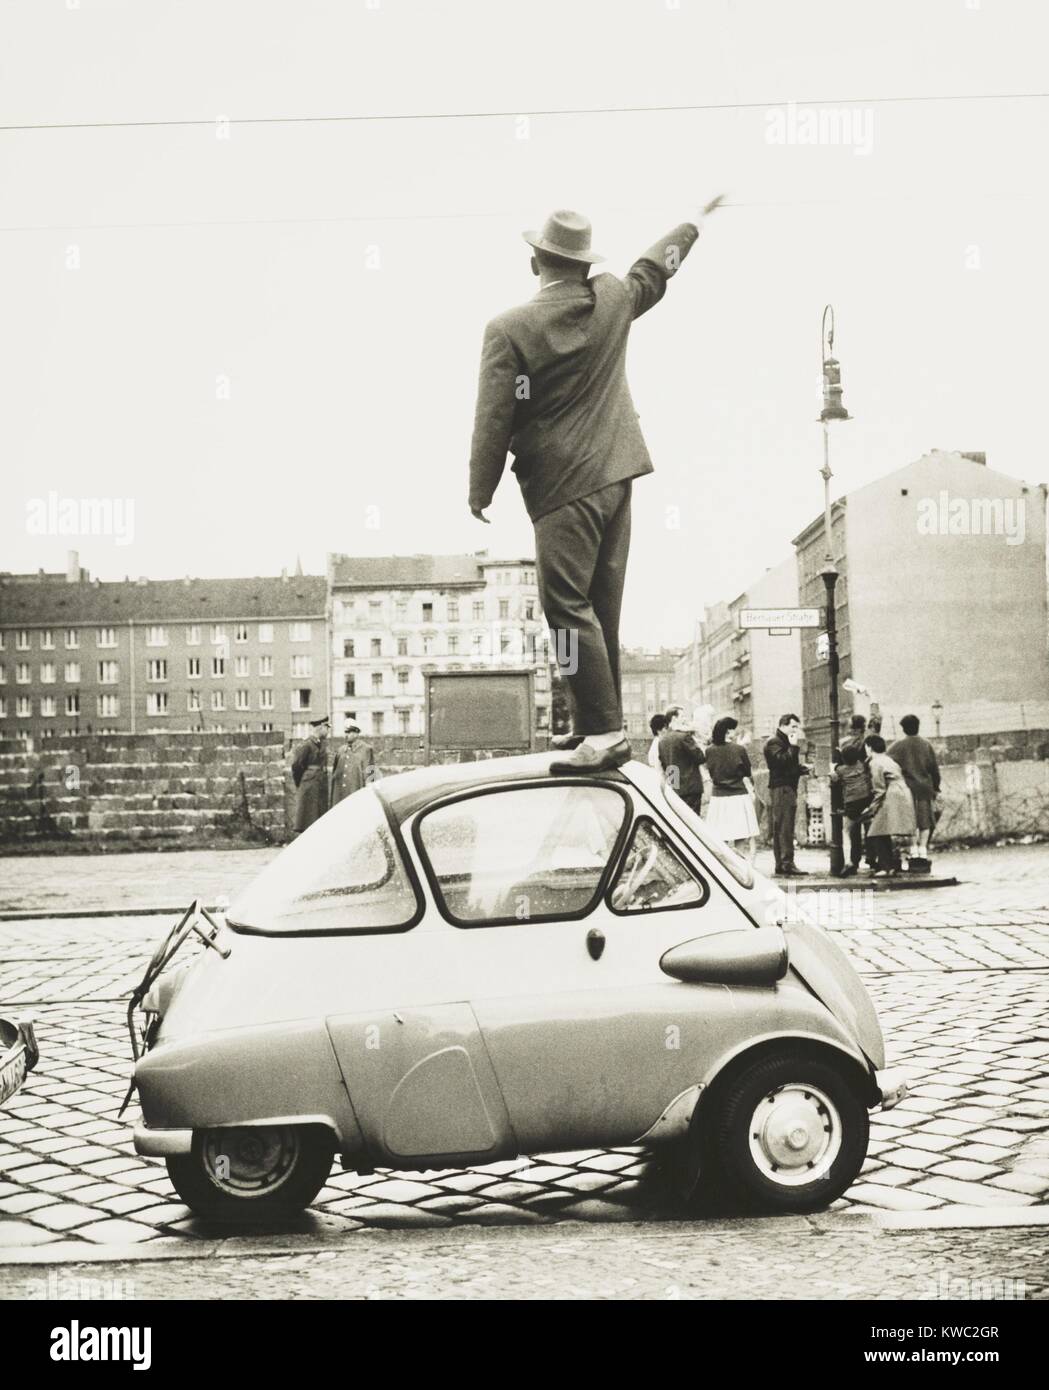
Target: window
point(106, 637)
point(3, 706)
point(504, 609)
point(428, 644)
point(504, 642)
point(477, 644)
point(218, 700)
point(47, 640)
point(157, 670)
point(402, 680)
point(193, 700)
point(453, 644)
point(404, 720)
point(376, 646)
point(377, 721)
point(375, 607)
point(23, 707)
point(3, 675)
point(453, 610)
point(156, 636)
point(22, 640)
point(347, 647)
point(72, 638)
point(72, 673)
point(376, 682)
point(193, 667)
point(301, 666)
point(427, 612)
point(108, 706)
point(529, 854)
point(528, 576)
point(218, 666)
point(301, 632)
point(108, 672)
point(478, 610)
point(530, 608)
point(242, 665)
point(653, 877)
point(47, 672)
point(267, 728)
point(347, 876)
point(400, 610)
point(240, 632)
point(265, 699)
point(265, 632)
point(241, 700)
point(47, 706)
point(157, 702)
point(300, 699)
point(265, 665)
point(402, 646)
point(193, 636)
point(218, 635)
point(349, 685)
point(73, 703)
point(737, 866)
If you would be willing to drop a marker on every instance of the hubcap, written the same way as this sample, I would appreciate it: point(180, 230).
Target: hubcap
point(795, 1134)
point(250, 1162)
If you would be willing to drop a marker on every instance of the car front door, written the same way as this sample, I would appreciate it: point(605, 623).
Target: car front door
point(564, 896)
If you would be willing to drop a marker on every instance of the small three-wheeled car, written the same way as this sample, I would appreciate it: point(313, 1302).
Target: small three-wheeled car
point(463, 964)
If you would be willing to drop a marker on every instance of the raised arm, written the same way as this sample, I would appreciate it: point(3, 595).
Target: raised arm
point(647, 278)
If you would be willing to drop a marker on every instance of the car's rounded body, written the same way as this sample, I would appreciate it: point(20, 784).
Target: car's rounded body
point(467, 963)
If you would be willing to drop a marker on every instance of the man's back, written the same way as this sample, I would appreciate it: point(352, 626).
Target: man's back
point(553, 385)
point(681, 758)
point(917, 757)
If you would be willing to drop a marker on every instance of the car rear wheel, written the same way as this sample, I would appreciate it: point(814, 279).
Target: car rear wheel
point(788, 1134)
point(252, 1173)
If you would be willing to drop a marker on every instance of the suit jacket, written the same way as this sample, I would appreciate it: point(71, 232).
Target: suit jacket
point(783, 760)
point(682, 758)
point(553, 387)
point(917, 757)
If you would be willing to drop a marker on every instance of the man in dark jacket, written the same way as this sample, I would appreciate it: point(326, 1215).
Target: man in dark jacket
point(785, 772)
point(309, 772)
point(354, 764)
point(681, 759)
point(921, 772)
point(553, 391)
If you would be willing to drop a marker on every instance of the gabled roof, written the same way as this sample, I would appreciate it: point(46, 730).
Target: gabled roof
point(411, 571)
point(160, 600)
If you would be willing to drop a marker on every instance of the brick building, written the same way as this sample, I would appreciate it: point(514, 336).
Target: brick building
point(395, 617)
point(79, 655)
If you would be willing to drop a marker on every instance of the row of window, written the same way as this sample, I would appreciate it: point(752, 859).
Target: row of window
point(156, 636)
point(156, 669)
point(427, 611)
point(353, 648)
point(158, 702)
point(299, 731)
point(356, 683)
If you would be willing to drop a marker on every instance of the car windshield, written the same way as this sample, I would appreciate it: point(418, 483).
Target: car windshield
point(344, 874)
point(723, 853)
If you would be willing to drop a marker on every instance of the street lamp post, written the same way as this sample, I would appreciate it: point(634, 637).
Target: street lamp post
point(833, 409)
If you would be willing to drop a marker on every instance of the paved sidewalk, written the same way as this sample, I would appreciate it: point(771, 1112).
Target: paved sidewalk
point(961, 984)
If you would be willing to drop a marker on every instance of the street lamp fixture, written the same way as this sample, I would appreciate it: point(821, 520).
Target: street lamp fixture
point(833, 409)
point(937, 710)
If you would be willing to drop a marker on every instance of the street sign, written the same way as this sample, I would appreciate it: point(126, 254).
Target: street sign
point(779, 617)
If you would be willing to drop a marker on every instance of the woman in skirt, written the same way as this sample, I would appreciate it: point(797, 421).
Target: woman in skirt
point(731, 811)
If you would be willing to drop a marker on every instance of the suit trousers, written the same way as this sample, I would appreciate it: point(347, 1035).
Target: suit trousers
point(581, 554)
point(783, 806)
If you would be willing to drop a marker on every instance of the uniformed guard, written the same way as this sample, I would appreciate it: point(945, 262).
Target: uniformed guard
point(309, 771)
point(354, 764)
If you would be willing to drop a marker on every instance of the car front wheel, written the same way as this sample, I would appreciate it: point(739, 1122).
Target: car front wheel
point(789, 1133)
point(252, 1173)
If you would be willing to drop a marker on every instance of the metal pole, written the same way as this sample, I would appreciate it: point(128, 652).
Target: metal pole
point(830, 579)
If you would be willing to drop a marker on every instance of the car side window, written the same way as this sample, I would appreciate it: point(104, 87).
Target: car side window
point(523, 854)
point(653, 877)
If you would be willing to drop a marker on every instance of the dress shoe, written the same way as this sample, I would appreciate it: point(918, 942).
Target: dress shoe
point(564, 743)
point(792, 871)
point(586, 758)
point(848, 871)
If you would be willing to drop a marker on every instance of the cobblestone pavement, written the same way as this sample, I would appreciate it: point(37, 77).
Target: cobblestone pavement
point(778, 1260)
point(960, 978)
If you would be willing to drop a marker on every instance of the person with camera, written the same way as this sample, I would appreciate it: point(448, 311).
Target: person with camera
point(783, 760)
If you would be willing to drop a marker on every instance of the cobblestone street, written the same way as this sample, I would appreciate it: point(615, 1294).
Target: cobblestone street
point(960, 977)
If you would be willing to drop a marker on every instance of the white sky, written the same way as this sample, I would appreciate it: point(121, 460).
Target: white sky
point(352, 388)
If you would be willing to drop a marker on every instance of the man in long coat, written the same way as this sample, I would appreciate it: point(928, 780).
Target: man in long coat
point(309, 772)
point(354, 765)
point(553, 391)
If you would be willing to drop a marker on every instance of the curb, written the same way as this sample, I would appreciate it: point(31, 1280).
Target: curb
point(854, 884)
point(305, 1243)
point(83, 914)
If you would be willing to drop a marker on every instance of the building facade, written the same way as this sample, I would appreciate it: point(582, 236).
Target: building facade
point(394, 618)
point(648, 685)
point(84, 656)
point(941, 605)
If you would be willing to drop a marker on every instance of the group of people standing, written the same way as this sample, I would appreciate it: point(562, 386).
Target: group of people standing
point(890, 794)
point(318, 786)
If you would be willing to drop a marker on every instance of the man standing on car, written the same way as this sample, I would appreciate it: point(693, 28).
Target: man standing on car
point(309, 772)
point(785, 772)
point(553, 391)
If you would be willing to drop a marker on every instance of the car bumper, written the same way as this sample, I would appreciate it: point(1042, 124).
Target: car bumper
point(892, 1087)
point(160, 1143)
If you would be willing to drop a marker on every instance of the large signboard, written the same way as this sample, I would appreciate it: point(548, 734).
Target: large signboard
point(480, 710)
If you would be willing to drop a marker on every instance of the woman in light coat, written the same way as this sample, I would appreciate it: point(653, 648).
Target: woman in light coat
point(891, 810)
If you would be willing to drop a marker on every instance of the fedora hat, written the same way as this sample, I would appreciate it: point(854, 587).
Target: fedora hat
point(564, 234)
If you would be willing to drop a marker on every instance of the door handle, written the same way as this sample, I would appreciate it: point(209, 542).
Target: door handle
point(595, 942)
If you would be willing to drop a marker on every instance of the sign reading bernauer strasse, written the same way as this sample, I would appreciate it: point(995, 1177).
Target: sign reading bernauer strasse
point(780, 617)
